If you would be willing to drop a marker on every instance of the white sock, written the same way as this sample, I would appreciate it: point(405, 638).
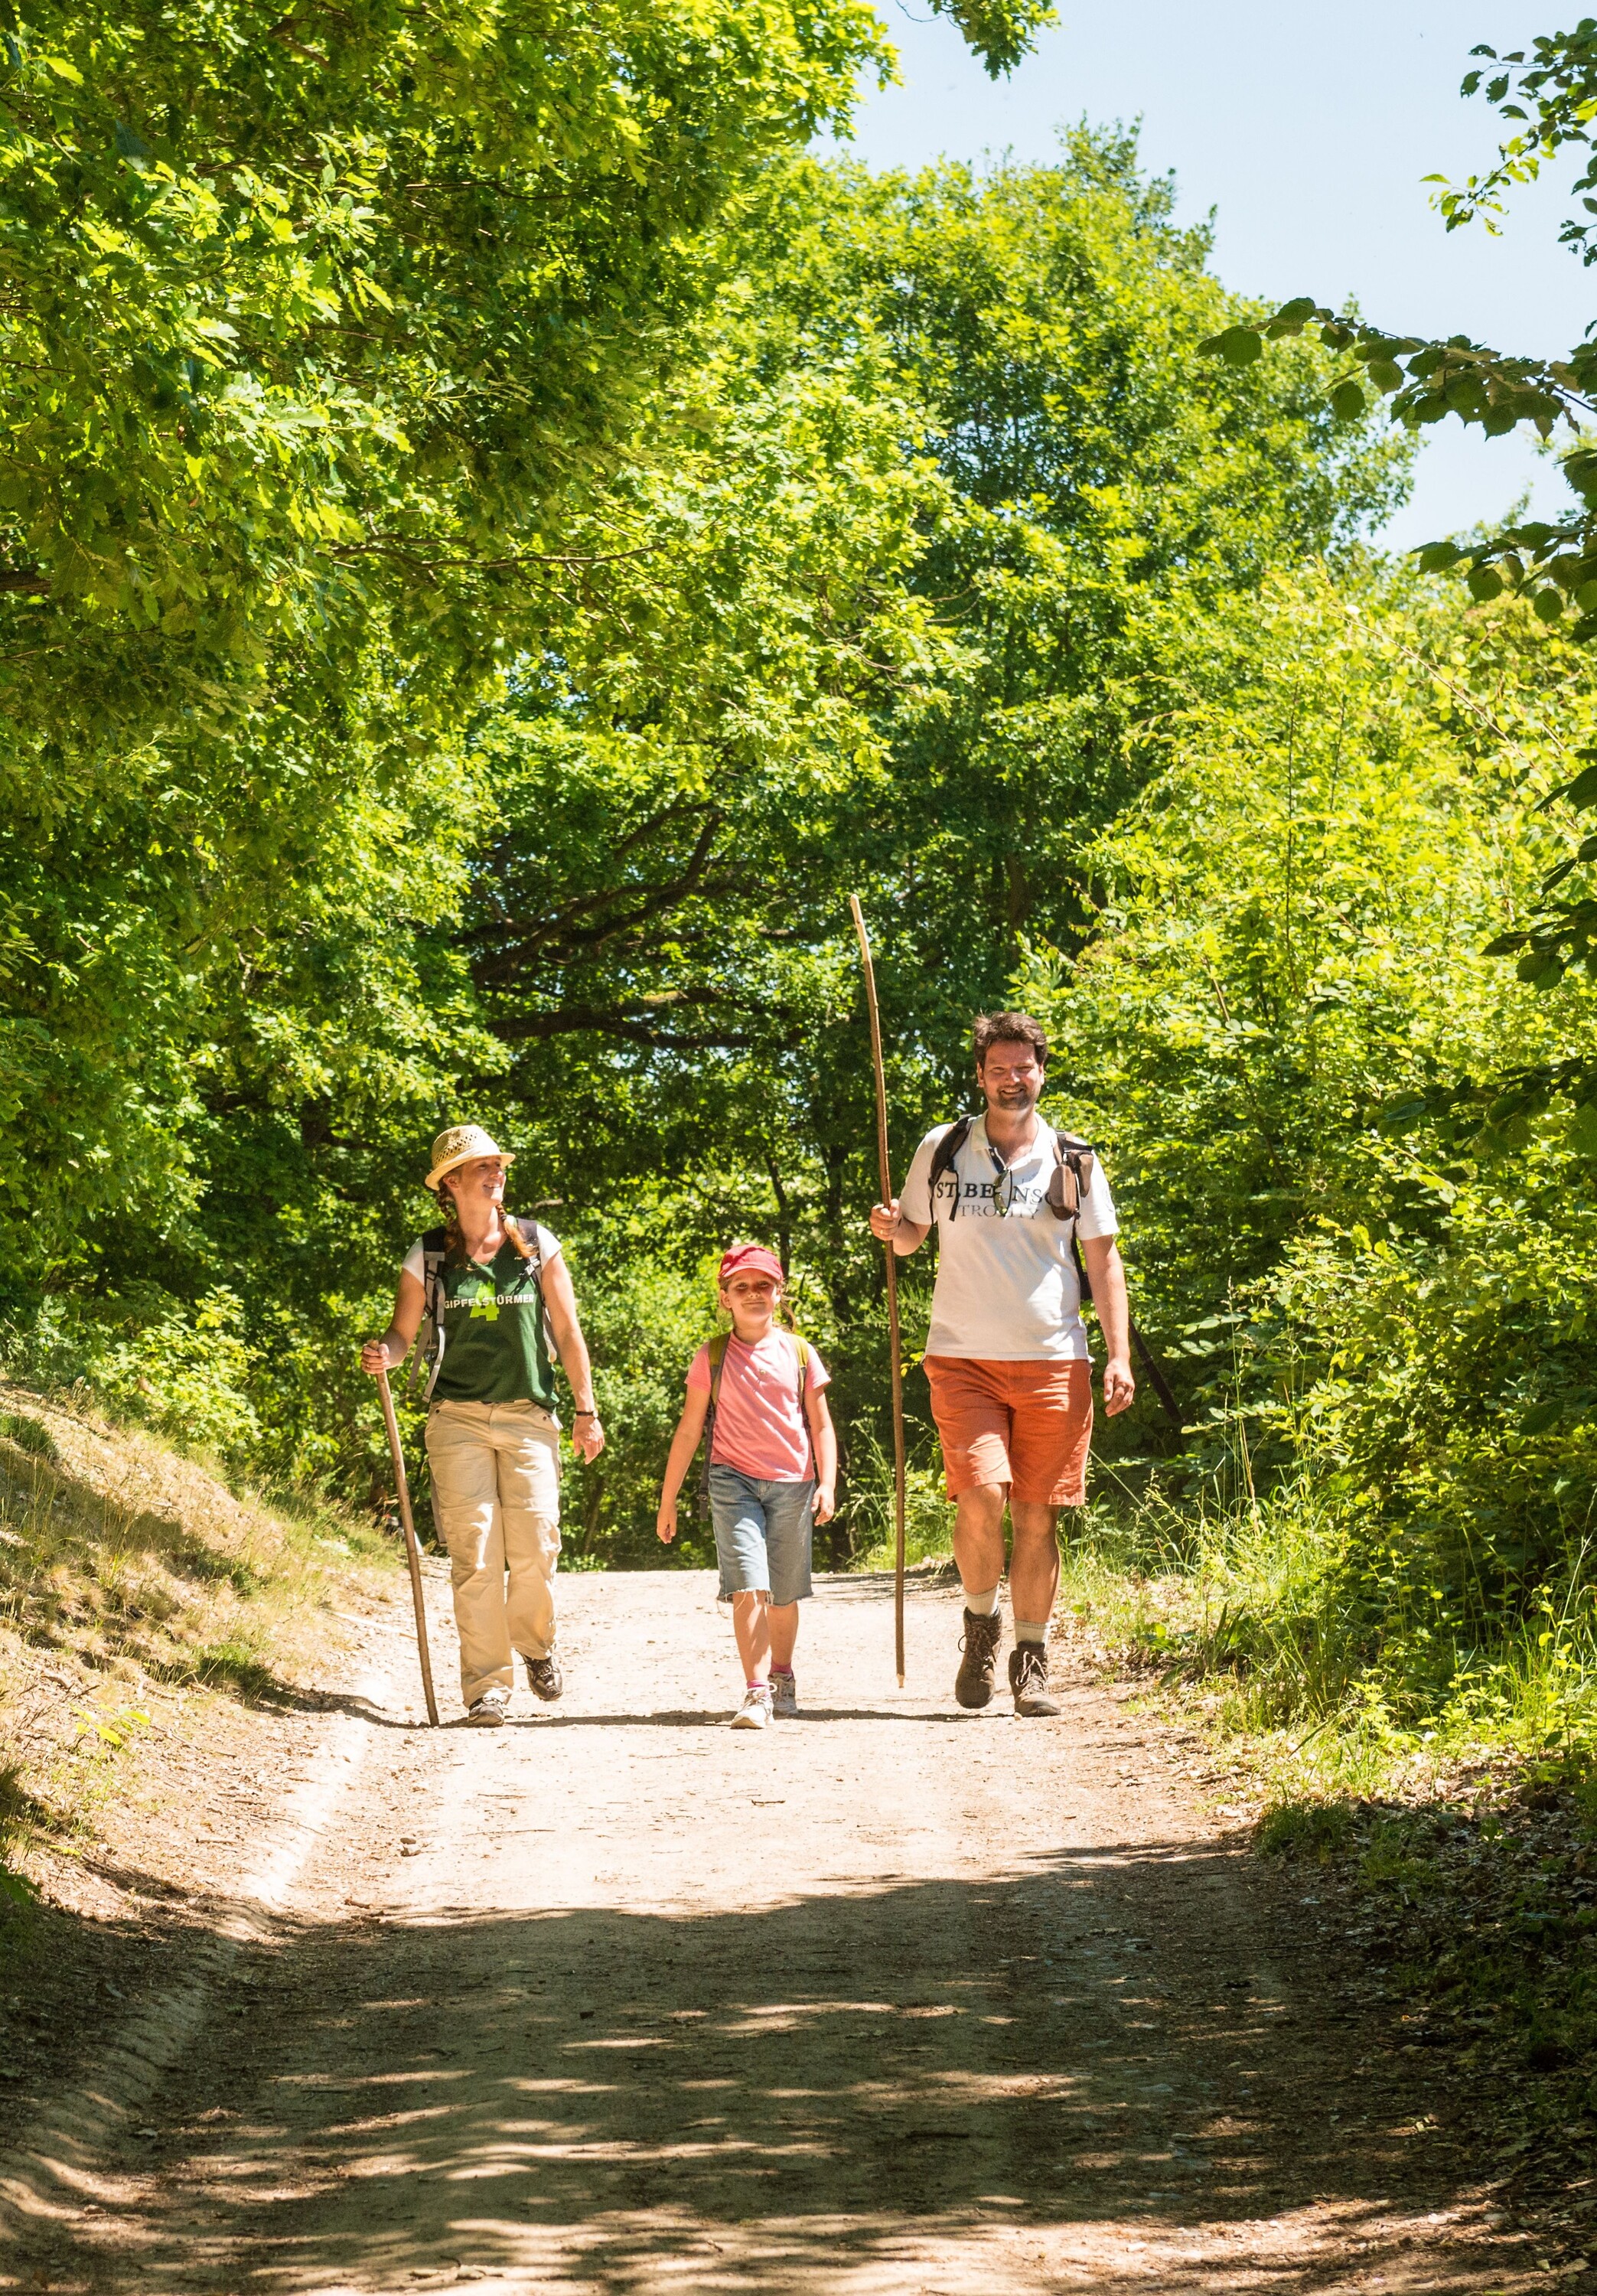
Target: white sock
point(983, 1606)
point(1031, 1630)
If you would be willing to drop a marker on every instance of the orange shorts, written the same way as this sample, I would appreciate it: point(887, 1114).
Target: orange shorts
point(1026, 1424)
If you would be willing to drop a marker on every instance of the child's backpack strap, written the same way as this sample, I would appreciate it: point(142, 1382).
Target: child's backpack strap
point(1071, 1177)
point(430, 1339)
point(716, 1353)
point(942, 1164)
point(801, 1349)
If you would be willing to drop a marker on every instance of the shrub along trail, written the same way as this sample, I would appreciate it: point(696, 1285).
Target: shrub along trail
point(888, 2000)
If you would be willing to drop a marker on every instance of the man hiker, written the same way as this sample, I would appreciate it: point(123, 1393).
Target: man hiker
point(771, 1470)
point(1006, 1356)
point(494, 1289)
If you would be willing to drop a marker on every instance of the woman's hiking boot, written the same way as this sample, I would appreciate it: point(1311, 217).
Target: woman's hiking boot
point(973, 1684)
point(1028, 1679)
point(490, 1710)
point(784, 1695)
point(544, 1676)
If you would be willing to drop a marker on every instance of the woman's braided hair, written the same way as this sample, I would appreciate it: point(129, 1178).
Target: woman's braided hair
point(455, 1241)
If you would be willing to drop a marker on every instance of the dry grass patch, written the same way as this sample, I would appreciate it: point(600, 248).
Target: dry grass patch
point(136, 1589)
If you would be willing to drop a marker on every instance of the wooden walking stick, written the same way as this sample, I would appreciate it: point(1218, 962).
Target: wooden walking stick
point(412, 1551)
point(885, 1161)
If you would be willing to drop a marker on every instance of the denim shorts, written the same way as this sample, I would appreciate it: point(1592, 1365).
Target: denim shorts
point(762, 1534)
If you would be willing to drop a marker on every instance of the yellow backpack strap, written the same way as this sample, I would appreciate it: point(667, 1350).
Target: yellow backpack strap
point(801, 1349)
point(716, 1353)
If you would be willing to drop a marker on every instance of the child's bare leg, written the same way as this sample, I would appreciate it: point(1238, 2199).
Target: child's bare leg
point(752, 1624)
point(783, 1622)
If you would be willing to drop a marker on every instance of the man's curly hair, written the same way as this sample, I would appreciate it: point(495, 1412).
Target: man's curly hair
point(1008, 1028)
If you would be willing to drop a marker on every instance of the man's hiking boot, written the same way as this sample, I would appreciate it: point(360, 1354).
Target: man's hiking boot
point(544, 1676)
point(784, 1696)
point(755, 1711)
point(1028, 1679)
point(973, 1684)
point(489, 1712)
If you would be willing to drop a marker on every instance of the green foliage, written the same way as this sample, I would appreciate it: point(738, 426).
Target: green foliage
point(1557, 77)
point(644, 1321)
point(885, 579)
point(276, 378)
point(1380, 1333)
point(999, 34)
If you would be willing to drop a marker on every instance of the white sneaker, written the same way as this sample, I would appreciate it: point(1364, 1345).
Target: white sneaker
point(784, 1696)
point(755, 1711)
point(490, 1710)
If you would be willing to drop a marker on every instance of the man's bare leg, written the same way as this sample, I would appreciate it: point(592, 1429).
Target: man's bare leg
point(979, 1537)
point(1034, 1563)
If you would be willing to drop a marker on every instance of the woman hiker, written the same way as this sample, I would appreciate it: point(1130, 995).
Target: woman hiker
point(489, 1283)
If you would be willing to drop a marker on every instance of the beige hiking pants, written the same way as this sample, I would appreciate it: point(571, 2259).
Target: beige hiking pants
point(495, 1495)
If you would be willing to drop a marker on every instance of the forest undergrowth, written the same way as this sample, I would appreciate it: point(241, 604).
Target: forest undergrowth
point(1434, 1800)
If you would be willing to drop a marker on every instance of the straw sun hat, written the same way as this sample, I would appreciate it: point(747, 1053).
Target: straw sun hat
point(461, 1144)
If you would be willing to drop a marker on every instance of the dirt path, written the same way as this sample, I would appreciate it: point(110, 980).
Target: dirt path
point(887, 2001)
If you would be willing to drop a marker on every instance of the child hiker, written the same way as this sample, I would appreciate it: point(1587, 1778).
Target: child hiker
point(771, 1473)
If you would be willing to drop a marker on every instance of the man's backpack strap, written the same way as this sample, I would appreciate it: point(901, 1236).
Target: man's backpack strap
point(1071, 1177)
point(942, 1164)
point(1068, 1185)
point(430, 1340)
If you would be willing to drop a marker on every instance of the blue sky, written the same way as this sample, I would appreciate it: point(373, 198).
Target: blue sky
point(1307, 130)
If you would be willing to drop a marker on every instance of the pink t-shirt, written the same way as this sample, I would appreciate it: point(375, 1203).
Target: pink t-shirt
point(759, 1428)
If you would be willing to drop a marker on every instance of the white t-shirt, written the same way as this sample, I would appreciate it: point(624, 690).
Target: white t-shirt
point(1006, 1289)
point(548, 1245)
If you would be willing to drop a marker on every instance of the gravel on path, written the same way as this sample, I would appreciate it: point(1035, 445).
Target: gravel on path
point(889, 2000)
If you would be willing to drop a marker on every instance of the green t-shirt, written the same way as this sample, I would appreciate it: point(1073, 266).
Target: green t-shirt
point(495, 1349)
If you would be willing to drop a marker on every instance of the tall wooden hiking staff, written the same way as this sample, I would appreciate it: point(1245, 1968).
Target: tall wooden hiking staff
point(886, 1162)
point(412, 1550)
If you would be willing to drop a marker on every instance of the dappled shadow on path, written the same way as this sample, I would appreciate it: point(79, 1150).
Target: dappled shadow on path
point(1040, 2079)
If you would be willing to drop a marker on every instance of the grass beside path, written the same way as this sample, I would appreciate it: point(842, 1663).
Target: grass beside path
point(1435, 1811)
point(137, 1590)
point(1436, 1802)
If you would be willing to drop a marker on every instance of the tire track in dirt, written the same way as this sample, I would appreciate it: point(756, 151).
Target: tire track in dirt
point(887, 2000)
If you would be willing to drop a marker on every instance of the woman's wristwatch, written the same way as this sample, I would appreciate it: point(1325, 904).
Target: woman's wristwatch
point(584, 1414)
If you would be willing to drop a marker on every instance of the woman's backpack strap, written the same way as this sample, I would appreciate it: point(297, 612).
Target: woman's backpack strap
point(526, 1241)
point(942, 1164)
point(430, 1340)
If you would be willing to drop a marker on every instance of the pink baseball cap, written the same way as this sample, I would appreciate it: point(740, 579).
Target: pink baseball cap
point(749, 1259)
